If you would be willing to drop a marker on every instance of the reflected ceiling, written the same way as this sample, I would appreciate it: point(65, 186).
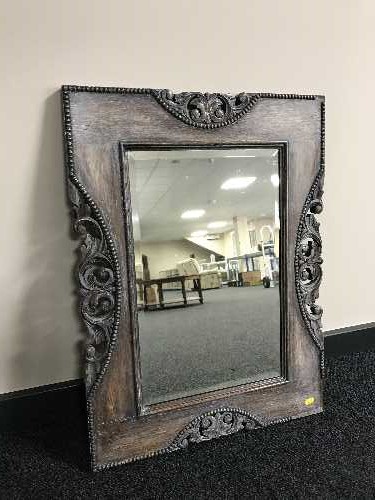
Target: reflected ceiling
point(164, 184)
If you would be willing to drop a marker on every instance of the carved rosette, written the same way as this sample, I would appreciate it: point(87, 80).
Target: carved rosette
point(97, 280)
point(309, 261)
point(206, 110)
point(217, 423)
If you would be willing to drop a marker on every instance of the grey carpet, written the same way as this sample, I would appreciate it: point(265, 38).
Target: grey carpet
point(327, 456)
point(232, 338)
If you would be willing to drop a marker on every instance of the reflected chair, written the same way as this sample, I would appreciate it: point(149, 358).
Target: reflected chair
point(190, 267)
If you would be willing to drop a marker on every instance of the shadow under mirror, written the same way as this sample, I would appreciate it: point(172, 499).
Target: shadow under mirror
point(206, 234)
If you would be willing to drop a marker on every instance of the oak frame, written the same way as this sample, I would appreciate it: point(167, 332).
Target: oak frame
point(100, 124)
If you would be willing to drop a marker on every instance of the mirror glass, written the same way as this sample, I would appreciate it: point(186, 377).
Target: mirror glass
point(206, 233)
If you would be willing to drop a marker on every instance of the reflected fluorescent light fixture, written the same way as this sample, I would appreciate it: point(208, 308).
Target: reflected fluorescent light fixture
point(135, 218)
point(193, 214)
point(217, 224)
point(201, 232)
point(275, 180)
point(237, 182)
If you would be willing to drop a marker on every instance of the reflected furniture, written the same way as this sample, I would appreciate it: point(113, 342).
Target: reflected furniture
point(171, 273)
point(139, 277)
point(181, 280)
point(251, 278)
point(209, 278)
point(219, 266)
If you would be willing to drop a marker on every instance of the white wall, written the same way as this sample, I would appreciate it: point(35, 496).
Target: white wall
point(216, 246)
point(320, 46)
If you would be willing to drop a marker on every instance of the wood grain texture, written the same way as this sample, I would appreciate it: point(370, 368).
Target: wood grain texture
point(97, 122)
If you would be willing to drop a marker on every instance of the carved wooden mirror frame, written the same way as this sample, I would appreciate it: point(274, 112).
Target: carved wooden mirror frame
point(100, 124)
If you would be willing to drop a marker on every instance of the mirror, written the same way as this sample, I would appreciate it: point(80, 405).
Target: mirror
point(212, 291)
point(206, 240)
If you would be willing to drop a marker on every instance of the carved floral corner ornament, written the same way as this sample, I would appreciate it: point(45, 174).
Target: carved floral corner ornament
point(214, 424)
point(99, 280)
point(308, 263)
point(206, 110)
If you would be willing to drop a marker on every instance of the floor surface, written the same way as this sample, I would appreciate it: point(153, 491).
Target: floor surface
point(232, 338)
point(326, 456)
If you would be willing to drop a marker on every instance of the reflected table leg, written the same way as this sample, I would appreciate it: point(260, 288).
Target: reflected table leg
point(145, 297)
point(183, 290)
point(161, 296)
point(199, 287)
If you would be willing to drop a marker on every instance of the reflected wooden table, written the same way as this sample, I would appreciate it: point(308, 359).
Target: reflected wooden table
point(159, 282)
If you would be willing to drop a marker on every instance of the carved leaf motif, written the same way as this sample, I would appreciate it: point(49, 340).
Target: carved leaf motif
point(221, 422)
point(97, 290)
point(309, 261)
point(206, 110)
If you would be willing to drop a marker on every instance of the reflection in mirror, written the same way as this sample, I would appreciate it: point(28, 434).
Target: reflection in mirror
point(206, 232)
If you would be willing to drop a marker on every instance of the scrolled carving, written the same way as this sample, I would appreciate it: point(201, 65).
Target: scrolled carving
point(98, 285)
point(98, 271)
point(206, 110)
point(220, 422)
point(308, 262)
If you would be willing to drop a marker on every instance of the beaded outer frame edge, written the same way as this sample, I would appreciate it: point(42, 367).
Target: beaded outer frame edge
point(73, 179)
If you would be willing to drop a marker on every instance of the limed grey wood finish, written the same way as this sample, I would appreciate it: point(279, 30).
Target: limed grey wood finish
point(100, 126)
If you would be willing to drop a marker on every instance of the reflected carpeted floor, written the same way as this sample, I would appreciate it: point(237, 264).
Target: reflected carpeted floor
point(329, 456)
point(233, 337)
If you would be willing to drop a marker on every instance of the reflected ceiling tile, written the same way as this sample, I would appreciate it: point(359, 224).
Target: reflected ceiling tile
point(163, 190)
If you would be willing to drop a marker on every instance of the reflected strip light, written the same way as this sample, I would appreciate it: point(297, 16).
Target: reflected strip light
point(193, 214)
point(238, 182)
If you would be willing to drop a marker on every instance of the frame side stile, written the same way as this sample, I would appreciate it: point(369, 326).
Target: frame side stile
point(99, 278)
point(308, 260)
point(73, 197)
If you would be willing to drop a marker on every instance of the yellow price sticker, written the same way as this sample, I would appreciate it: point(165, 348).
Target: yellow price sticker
point(309, 401)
